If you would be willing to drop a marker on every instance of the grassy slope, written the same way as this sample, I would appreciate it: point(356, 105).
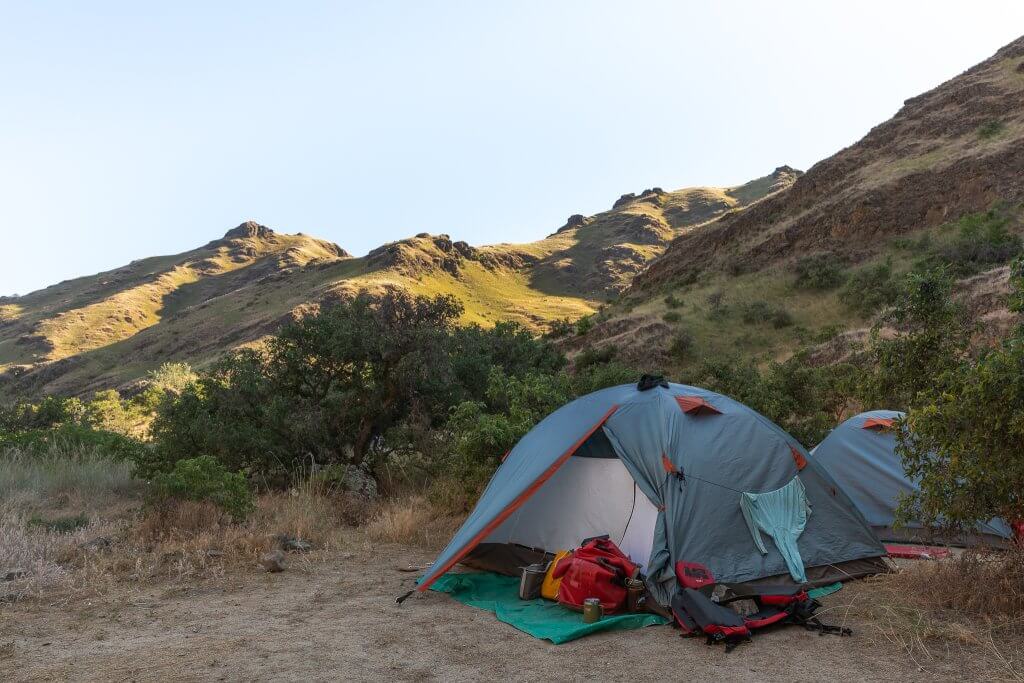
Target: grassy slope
point(113, 327)
point(949, 152)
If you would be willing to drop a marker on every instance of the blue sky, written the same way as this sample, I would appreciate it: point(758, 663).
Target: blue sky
point(133, 129)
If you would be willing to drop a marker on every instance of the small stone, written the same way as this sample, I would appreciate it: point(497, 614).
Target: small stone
point(273, 561)
point(12, 574)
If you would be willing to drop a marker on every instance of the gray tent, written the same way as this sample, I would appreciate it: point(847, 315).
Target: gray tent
point(663, 472)
point(860, 454)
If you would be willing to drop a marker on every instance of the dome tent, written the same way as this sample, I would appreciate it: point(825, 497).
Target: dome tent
point(860, 454)
point(662, 472)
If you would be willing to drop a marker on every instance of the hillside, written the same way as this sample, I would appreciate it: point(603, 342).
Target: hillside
point(109, 329)
point(944, 171)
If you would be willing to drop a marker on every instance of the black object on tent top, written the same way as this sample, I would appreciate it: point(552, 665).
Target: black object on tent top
point(650, 381)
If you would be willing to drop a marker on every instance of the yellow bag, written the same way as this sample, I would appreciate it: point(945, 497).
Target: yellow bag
point(549, 589)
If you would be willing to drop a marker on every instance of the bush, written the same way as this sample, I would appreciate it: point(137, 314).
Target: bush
point(983, 241)
point(560, 328)
point(819, 272)
point(933, 337)
point(60, 525)
point(870, 289)
point(595, 356)
point(584, 325)
point(990, 129)
point(804, 400)
point(717, 306)
point(355, 385)
point(672, 302)
point(966, 426)
point(756, 312)
point(671, 317)
point(205, 479)
point(681, 346)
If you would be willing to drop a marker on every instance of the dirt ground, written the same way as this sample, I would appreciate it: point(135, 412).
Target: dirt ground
point(335, 618)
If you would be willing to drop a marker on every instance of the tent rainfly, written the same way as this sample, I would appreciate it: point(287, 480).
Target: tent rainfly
point(670, 473)
point(860, 454)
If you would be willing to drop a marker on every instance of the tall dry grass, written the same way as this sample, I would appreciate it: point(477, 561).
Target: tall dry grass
point(969, 607)
point(33, 478)
point(412, 520)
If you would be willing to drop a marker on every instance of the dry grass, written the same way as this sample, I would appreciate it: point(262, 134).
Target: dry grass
point(970, 608)
point(411, 520)
point(35, 479)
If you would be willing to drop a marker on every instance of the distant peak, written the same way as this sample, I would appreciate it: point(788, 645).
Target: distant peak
point(248, 229)
point(785, 170)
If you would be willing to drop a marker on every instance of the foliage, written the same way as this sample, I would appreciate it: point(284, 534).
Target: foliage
point(681, 346)
point(991, 129)
point(819, 272)
point(870, 289)
point(963, 436)
point(931, 336)
point(672, 302)
point(563, 327)
point(671, 317)
point(595, 356)
point(205, 479)
point(982, 241)
point(759, 312)
point(584, 325)
point(804, 400)
point(60, 525)
point(485, 430)
point(351, 385)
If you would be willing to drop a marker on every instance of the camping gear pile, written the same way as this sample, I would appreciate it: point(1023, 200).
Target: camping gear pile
point(697, 611)
point(716, 504)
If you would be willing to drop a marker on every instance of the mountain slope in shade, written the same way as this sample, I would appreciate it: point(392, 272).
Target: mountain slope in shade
point(109, 329)
point(951, 152)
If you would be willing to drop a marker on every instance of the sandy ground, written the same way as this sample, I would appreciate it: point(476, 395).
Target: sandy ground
point(336, 619)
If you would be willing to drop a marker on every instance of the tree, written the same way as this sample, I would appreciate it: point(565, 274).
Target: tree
point(916, 343)
point(963, 437)
point(355, 383)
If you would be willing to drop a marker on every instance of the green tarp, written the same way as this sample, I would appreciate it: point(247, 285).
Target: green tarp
point(824, 590)
point(540, 618)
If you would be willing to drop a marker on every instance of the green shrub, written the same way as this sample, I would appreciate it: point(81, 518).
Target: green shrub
point(990, 129)
point(584, 325)
point(560, 328)
point(758, 312)
point(869, 289)
point(717, 306)
point(982, 241)
point(672, 302)
point(60, 525)
point(819, 272)
point(963, 442)
point(671, 317)
point(595, 356)
point(77, 438)
point(352, 386)
point(205, 479)
point(681, 346)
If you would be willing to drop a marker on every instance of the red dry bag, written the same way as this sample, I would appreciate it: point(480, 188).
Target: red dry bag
point(597, 569)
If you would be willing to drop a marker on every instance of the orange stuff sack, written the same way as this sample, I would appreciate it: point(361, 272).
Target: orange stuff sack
point(549, 589)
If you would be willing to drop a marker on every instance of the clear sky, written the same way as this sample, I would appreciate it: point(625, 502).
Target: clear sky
point(129, 129)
